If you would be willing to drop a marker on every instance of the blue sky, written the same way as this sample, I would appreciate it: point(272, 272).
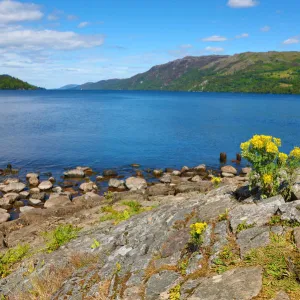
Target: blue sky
point(53, 43)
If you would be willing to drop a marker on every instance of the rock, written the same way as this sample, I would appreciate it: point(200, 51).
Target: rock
point(134, 183)
point(296, 191)
point(65, 194)
point(38, 196)
point(135, 165)
point(157, 173)
point(201, 168)
point(12, 197)
point(239, 284)
point(33, 181)
point(176, 173)
point(186, 187)
point(253, 238)
point(281, 296)
point(196, 178)
point(160, 283)
point(115, 183)
point(184, 169)
point(290, 211)
point(45, 185)
point(160, 190)
point(189, 174)
point(246, 170)
point(57, 201)
point(258, 214)
point(52, 179)
point(57, 189)
point(18, 204)
point(89, 199)
point(5, 203)
point(75, 173)
point(29, 175)
point(99, 178)
point(24, 194)
point(88, 186)
point(34, 190)
point(16, 187)
point(229, 169)
point(194, 263)
point(11, 180)
point(227, 175)
point(110, 173)
point(297, 237)
point(166, 178)
point(4, 217)
point(243, 192)
point(34, 201)
point(26, 209)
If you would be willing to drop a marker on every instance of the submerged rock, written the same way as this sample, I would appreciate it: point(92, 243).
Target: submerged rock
point(110, 173)
point(75, 173)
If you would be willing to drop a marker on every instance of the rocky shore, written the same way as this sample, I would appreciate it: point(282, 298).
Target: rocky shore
point(134, 241)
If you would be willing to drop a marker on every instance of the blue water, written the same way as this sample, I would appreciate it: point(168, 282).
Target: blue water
point(52, 130)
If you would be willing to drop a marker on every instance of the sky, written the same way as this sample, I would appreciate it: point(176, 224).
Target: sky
point(51, 43)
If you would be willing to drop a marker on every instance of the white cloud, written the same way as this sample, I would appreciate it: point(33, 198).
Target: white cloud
point(214, 49)
point(186, 46)
point(215, 38)
point(242, 3)
point(294, 40)
point(52, 17)
point(265, 29)
point(14, 11)
point(242, 36)
point(16, 38)
point(72, 18)
point(83, 24)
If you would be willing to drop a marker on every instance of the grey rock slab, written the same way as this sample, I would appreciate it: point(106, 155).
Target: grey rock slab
point(161, 190)
point(12, 197)
point(281, 295)
point(297, 237)
point(194, 263)
point(258, 214)
point(186, 187)
point(160, 283)
point(236, 284)
point(253, 238)
point(16, 187)
point(290, 211)
point(45, 185)
point(57, 201)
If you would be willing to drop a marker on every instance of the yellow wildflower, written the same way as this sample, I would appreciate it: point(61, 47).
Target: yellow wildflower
point(295, 153)
point(267, 178)
point(283, 157)
point(216, 180)
point(265, 138)
point(277, 142)
point(198, 228)
point(245, 146)
point(271, 147)
point(257, 142)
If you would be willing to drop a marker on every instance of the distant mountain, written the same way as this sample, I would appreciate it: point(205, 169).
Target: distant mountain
point(262, 72)
point(11, 83)
point(69, 87)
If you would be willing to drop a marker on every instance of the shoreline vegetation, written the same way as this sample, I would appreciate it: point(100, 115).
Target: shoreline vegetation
point(182, 236)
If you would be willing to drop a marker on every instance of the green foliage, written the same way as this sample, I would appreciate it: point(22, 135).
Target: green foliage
point(269, 166)
point(196, 233)
point(182, 265)
point(174, 293)
point(134, 208)
point(242, 226)
point(12, 256)
point(95, 244)
point(224, 216)
point(60, 236)
point(276, 220)
point(10, 83)
point(109, 196)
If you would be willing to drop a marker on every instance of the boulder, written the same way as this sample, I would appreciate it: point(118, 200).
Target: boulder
point(29, 175)
point(57, 201)
point(229, 169)
point(57, 189)
point(239, 284)
point(33, 181)
point(52, 179)
point(89, 199)
point(115, 183)
point(201, 168)
point(25, 209)
point(38, 196)
point(134, 183)
point(4, 217)
point(16, 187)
point(11, 180)
point(88, 186)
point(34, 201)
point(184, 169)
point(45, 185)
point(176, 173)
point(196, 178)
point(34, 190)
point(5, 203)
point(99, 178)
point(110, 173)
point(75, 173)
point(228, 175)
point(166, 178)
point(157, 172)
point(12, 197)
point(24, 194)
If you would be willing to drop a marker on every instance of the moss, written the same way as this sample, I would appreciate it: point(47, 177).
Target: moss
point(224, 216)
point(60, 236)
point(243, 226)
point(174, 293)
point(11, 257)
point(95, 244)
point(276, 220)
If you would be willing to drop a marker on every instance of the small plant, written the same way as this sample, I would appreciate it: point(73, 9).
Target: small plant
point(243, 226)
point(95, 244)
point(196, 233)
point(109, 196)
point(269, 166)
point(118, 268)
point(182, 266)
point(60, 236)
point(224, 216)
point(216, 181)
point(11, 257)
point(275, 220)
point(174, 293)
